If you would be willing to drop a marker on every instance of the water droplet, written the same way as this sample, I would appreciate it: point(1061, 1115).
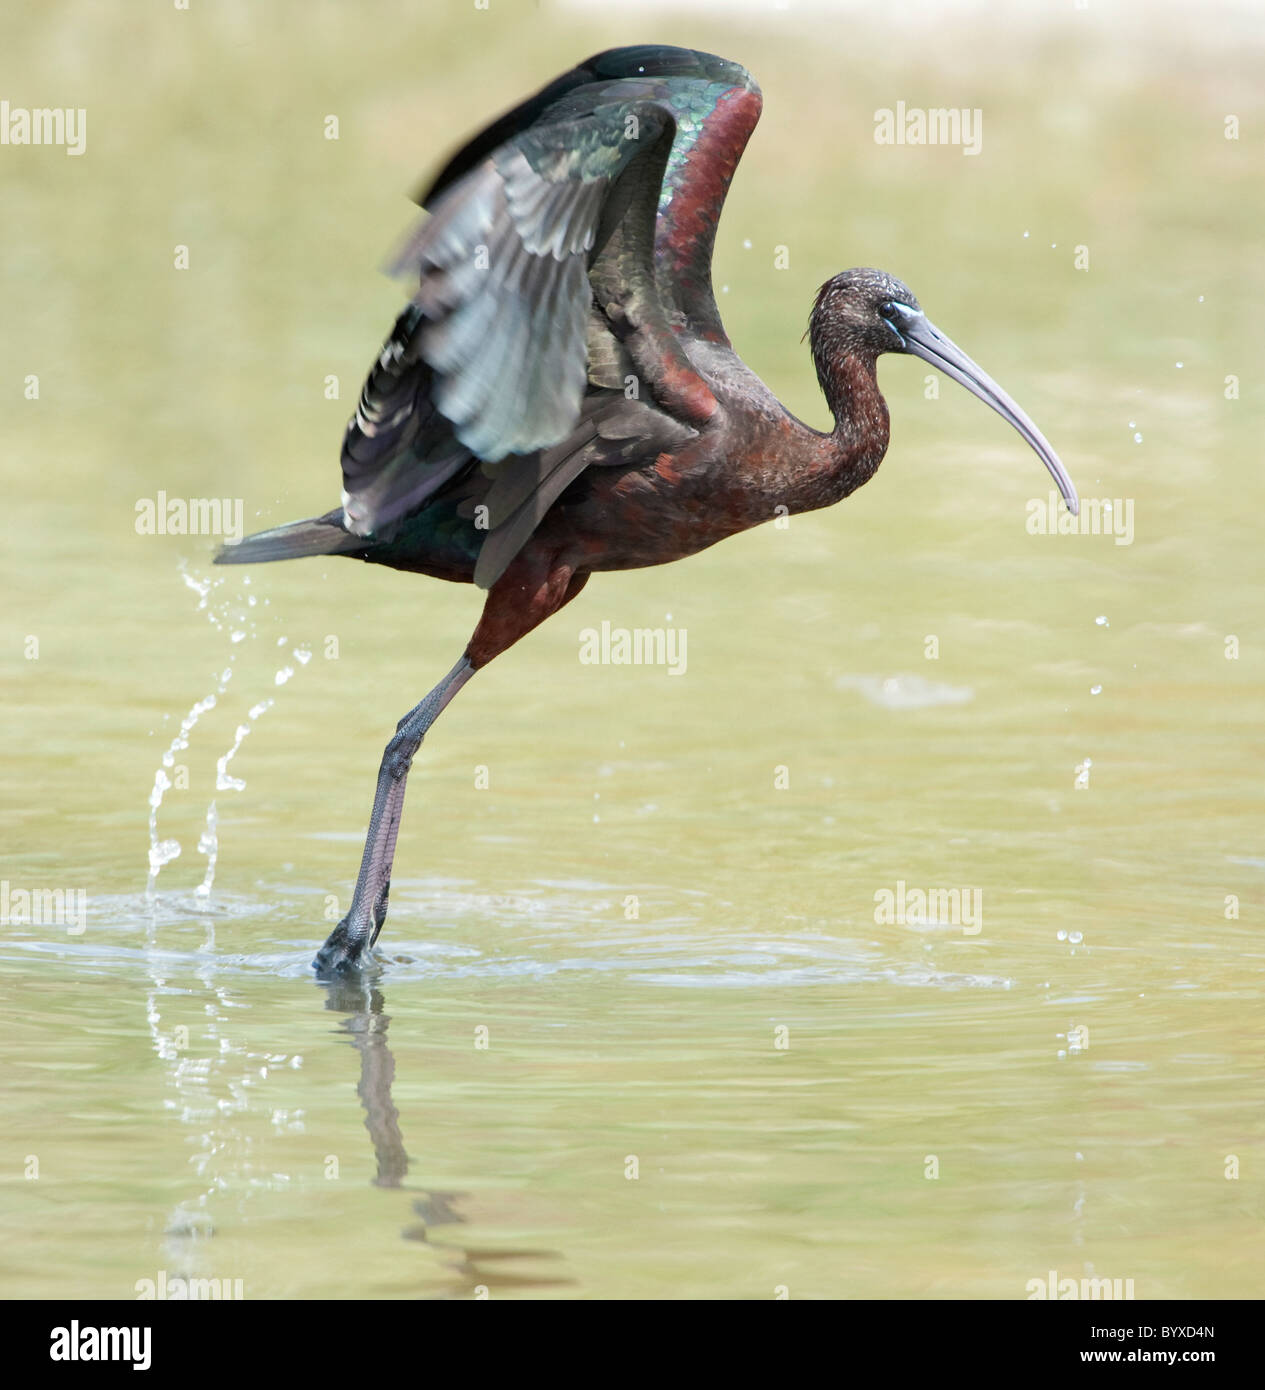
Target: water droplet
point(1095, 689)
point(223, 782)
point(161, 783)
point(1101, 620)
point(163, 853)
point(746, 243)
point(1137, 438)
point(208, 844)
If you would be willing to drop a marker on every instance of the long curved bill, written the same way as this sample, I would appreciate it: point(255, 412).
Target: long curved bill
point(925, 340)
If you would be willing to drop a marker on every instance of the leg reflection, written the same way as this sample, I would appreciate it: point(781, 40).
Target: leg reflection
point(358, 997)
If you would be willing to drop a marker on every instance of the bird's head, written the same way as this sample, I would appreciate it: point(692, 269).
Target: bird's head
point(863, 313)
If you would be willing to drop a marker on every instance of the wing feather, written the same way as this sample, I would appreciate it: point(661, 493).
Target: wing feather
point(536, 288)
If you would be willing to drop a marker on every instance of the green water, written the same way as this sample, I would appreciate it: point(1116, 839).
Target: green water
point(638, 1031)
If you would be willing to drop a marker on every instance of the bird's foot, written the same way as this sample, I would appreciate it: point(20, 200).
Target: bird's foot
point(345, 950)
point(347, 946)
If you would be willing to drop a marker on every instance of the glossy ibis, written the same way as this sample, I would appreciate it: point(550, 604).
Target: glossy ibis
point(560, 396)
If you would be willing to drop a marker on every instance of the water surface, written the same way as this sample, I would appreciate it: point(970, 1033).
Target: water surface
point(638, 1030)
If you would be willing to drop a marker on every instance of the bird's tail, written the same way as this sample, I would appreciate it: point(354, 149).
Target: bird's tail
point(321, 535)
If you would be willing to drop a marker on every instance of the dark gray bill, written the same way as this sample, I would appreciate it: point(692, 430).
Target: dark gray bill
point(925, 340)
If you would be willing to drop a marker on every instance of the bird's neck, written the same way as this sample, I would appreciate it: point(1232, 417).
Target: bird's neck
point(850, 454)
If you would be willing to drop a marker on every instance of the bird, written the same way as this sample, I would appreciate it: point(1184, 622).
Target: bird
point(559, 397)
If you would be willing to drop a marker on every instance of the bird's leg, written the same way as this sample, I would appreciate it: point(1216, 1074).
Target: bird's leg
point(531, 589)
point(359, 929)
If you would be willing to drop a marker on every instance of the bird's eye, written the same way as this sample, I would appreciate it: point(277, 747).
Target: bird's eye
point(887, 310)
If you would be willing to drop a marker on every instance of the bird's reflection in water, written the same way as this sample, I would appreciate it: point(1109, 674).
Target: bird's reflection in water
point(470, 1270)
point(361, 1000)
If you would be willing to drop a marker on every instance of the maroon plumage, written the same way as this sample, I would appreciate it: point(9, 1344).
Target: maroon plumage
point(560, 397)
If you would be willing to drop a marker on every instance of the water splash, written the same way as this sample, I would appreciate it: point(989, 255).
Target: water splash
point(181, 740)
point(162, 852)
point(223, 782)
point(230, 615)
point(209, 844)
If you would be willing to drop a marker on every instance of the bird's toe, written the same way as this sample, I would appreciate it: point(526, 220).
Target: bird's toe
point(343, 952)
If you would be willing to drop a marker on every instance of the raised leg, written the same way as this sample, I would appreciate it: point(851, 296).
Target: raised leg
point(531, 589)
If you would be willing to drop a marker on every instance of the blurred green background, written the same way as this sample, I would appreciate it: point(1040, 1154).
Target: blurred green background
point(190, 1096)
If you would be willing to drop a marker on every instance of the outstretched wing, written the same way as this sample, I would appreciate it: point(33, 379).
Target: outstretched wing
point(543, 219)
point(503, 262)
point(713, 126)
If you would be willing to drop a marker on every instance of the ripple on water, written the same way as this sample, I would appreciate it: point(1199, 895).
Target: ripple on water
point(906, 692)
point(552, 930)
